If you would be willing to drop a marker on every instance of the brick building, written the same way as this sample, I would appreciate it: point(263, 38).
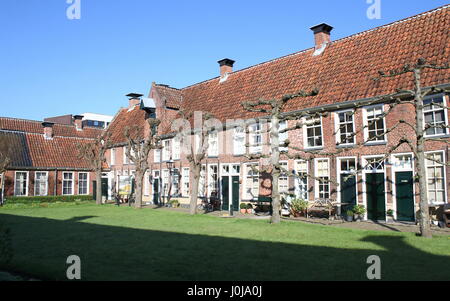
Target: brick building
point(343, 71)
point(44, 158)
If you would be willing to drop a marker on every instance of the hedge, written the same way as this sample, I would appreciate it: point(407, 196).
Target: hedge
point(48, 199)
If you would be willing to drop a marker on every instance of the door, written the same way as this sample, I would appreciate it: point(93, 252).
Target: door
point(156, 191)
point(225, 193)
point(376, 208)
point(235, 192)
point(404, 194)
point(104, 188)
point(348, 192)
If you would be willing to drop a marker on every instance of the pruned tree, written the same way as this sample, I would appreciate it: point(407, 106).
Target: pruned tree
point(275, 109)
point(420, 127)
point(94, 154)
point(138, 151)
point(195, 144)
point(5, 159)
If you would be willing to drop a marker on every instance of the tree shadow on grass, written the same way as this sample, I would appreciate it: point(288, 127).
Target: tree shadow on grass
point(41, 247)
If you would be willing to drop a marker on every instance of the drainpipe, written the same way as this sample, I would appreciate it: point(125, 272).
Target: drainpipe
point(56, 183)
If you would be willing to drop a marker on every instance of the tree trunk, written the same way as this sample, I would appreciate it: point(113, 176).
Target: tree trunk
point(424, 213)
point(195, 169)
point(98, 188)
point(138, 189)
point(275, 162)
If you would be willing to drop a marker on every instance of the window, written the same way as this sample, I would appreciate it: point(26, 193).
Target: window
point(345, 128)
point(374, 124)
point(41, 184)
point(301, 180)
point(67, 183)
point(83, 182)
point(436, 178)
point(374, 164)
point(255, 138)
point(283, 136)
point(323, 181)
point(166, 150)
point(165, 182)
point(125, 157)
point(283, 181)
point(157, 154)
point(147, 183)
point(213, 180)
point(435, 116)
point(348, 166)
point(176, 148)
point(251, 182)
point(313, 128)
point(21, 184)
point(202, 182)
point(239, 141)
point(175, 182)
point(185, 179)
point(113, 156)
point(213, 144)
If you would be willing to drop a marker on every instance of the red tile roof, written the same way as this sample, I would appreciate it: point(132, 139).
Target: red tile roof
point(344, 72)
point(29, 148)
point(127, 117)
point(171, 96)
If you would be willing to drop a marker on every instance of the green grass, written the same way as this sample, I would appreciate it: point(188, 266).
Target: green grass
point(128, 244)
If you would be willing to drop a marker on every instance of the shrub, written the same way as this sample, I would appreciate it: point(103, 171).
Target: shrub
point(174, 203)
point(299, 205)
point(359, 210)
point(243, 206)
point(48, 199)
point(249, 206)
point(350, 213)
point(390, 212)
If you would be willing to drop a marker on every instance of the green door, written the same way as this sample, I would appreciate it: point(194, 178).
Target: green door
point(376, 209)
point(225, 193)
point(156, 191)
point(405, 196)
point(104, 188)
point(348, 192)
point(235, 193)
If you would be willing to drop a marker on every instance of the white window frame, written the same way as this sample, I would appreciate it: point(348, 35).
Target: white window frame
point(185, 179)
point(26, 182)
point(157, 155)
point(337, 124)
point(87, 183)
point(203, 182)
point(316, 174)
point(147, 183)
point(255, 131)
point(213, 144)
point(166, 150)
point(247, 186)
point(211, 185)
point(284, 176)
point(36, 182)
point(305, 133)
point(165, 180)
point(298, 191)
point(283, 136)
point(73, 183)
point(444, 174)
point(126, 160)
point(176, 147)
point(366, 123)
point(238, 141)
point(444, 103)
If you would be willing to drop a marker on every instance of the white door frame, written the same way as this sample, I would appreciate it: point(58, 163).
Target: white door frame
point(394, 170)
point(364, 190)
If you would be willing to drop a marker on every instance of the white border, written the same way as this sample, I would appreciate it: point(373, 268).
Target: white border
point(394, 184)
point(15, 180)
point(73, 182)
point(364, 190)
point(46, 184)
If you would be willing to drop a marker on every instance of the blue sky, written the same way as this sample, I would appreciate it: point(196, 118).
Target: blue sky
point(51, 65)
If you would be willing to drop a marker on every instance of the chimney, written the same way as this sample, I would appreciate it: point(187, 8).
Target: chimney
point(134, 99)
point(322, 35)
point(48, 130)
point(226, 66)
point(78, 120)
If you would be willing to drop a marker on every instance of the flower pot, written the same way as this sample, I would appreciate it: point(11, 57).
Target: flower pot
point(243, 211)
point(249, 211)
point(349, 218)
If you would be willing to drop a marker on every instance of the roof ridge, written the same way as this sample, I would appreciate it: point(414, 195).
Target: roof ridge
point(333, 42)
point(37, 121)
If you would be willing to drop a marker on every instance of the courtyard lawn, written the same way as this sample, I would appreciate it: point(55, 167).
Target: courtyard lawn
point(153, 244)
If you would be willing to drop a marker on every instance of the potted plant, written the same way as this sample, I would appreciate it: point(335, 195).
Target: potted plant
point(243, 208)
point(175, 203)
point(349, 216)
point(359, 211)
point(249, 208)
point(298, 207)
point(390, 215)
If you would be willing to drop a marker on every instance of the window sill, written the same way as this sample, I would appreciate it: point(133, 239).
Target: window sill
point(346, 146)
point(437, 136)
point(375, 143)
point(314, 148)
